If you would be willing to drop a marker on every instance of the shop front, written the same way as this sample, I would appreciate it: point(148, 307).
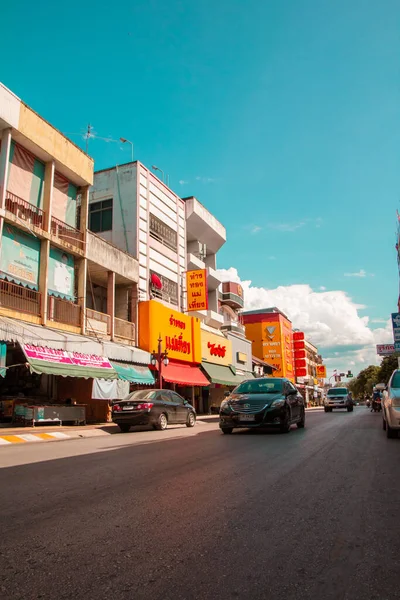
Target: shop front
point(218, 365)
point(241, 355)
point(167, 331)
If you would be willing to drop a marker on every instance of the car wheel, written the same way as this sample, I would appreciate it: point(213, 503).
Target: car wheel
point(162, 422)
point(326, 409)
point(349, 409)
point(191, 419)
point(383, 424)
point(301, 424)
point(226, 430)
point(124, 427)
point(285, 422)
point(390, 433)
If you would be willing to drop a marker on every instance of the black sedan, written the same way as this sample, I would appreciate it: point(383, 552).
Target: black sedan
point(152, 407)
point(263, 402)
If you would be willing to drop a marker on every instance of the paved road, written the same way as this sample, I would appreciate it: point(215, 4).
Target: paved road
point(313, 514)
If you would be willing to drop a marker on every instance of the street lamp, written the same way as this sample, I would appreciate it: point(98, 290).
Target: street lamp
point(157, 169)
point(125, 141)
point(158, 359)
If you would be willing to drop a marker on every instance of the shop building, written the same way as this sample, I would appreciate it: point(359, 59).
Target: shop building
point(135, 211)
point(270, 332)
point(307, 360)
point(62, 288)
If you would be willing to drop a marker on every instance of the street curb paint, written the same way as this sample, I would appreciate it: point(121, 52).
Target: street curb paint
point(5, 440)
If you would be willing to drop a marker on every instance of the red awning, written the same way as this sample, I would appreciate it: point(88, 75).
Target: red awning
point(184, 374)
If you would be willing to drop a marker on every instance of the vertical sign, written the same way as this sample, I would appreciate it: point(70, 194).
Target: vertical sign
point(396, 330)
point(197, 293)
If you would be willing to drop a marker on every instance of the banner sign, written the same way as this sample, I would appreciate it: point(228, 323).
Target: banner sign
point(321, 371)
point(20, 255)
point(396, 330)
point(197, 293)
point(385, 349)
point(66, 358)
point(61, 274)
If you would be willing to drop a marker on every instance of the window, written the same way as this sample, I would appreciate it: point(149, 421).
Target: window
point(164, 234)
point(168, 292)
point(100, 216)
point(177, 398)
point(260, 386)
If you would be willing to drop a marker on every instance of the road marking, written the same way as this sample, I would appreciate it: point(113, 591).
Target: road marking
point(13, 439)
point(33, 437)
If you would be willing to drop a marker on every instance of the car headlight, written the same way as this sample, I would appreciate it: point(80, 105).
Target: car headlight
point(278, 403)
point(224, 404)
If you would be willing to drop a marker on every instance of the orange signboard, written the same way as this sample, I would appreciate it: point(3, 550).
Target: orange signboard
point(321, 371)
point(197, 292)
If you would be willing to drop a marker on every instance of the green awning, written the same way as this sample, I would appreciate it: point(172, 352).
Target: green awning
point(67, 370)
point(133, 373)
point(222, 375)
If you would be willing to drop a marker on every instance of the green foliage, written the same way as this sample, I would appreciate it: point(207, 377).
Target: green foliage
point(363, 384)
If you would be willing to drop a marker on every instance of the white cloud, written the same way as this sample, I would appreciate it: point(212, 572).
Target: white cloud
point(379, 320)
point(206, 179)
point(360, 273)
point(294, 226)
point(183, 182)
point(255, 229)
point(271, 257)
point(322, 288)
point(330, 320)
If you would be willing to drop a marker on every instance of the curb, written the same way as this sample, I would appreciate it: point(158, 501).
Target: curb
point(21, 438)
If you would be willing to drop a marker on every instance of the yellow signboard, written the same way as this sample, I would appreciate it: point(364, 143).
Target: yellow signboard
point(180, 334)
point(215, 348)
point(197, 292)
point(321, 371)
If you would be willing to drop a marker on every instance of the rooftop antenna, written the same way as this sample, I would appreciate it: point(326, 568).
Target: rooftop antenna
point(88, 135)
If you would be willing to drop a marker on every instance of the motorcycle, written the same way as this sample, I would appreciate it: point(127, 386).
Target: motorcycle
point(376, 405)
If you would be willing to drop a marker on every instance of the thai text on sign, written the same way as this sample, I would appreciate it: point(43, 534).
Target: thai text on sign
point(197, 293)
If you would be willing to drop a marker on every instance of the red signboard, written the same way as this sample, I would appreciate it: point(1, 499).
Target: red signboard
point(301, 372)
point(298, 336)
point(300, 354)
point(299, 345)
point(300, 363)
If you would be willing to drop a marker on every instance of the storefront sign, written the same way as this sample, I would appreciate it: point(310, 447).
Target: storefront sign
point(197, 292)
point(61, 274)
point(77, 359)
point(180, 333)
point(241, 357)
point(215, 348)
point(20, 256)
point(321, 371)
point(298, 336)
point(277, 343)
point(385, 349)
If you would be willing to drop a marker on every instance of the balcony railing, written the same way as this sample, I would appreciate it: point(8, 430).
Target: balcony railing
point(24, 211)
point(97, 322)
point(124, 329)
point(67, 233)
point(63, 311)
point(19, 298)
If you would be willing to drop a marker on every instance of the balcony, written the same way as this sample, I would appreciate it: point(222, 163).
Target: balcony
point(63, 311)
point(24, 211)
point(232, 295)
point(97, 323)
point(19, 298)
point(124, 330)
point(67, 233)
point(214, 319)
point(234, 327)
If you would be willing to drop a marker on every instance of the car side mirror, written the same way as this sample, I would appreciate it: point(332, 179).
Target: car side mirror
point(226, 394)
point(291, 392)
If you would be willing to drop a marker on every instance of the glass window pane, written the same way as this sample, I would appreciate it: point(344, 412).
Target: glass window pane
point(95, 222)
point(106, 223)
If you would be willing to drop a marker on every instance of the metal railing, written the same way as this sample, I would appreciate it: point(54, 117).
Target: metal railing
point(124, 329)
point(63, 311)
point(24, 211)
point(67, 233)
point(19, 298)
point(97, 322)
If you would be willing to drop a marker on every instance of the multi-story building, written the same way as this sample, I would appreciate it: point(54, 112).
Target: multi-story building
point(61, 287)
point(307, 360)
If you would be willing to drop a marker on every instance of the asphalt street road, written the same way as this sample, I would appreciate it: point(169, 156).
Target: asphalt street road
point(313, 514)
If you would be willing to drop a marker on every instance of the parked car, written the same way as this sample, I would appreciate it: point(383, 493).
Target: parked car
point(158, 408)
point(391, 405)
point(339, 397)
point(266, 401)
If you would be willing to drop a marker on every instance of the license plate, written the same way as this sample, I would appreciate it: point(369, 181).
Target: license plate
point(127, 408)
point(247, 417)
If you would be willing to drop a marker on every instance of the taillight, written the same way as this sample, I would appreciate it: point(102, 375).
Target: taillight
point(149, 405)
point(145, 406)
point(116, 408)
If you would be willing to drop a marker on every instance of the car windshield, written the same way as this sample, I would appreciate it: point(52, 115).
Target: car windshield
point(396, 380)
point(141, 395)
point(337, 392)
point(259, 386)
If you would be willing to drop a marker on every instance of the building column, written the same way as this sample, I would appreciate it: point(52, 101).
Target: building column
point(111, 299)
point(48, 194)
point(43, 276)
point(134, 311)
point(84, 219)
point(4, 168)
point(82, 278)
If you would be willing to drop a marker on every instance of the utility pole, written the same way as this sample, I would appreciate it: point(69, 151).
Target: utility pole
point(88, 135)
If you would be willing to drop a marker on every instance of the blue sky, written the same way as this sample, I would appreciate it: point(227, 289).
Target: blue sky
point(281, 117)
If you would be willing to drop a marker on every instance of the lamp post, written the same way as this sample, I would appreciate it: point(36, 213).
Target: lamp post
point(158, 359)
point(125, 141)
point(157, 169)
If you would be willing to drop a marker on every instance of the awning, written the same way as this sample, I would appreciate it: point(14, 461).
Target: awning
point(184, 374)
point(133, 373)
point(13, 330)
point(222, 375)
point(44, 360)
point(245, 374)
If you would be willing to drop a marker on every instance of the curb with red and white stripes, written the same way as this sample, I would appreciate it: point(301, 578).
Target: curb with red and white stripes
point(21, 438)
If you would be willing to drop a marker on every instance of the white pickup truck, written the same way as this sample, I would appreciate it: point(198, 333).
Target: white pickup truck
point(338, 397)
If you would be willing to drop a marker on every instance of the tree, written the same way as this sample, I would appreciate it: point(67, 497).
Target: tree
point(388, 365)
point(365, 381)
